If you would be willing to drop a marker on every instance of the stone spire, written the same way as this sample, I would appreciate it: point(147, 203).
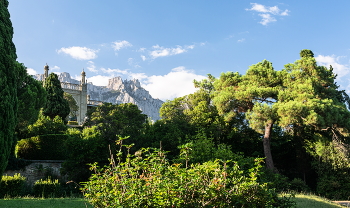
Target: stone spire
point(83, 76)
point(46, 71)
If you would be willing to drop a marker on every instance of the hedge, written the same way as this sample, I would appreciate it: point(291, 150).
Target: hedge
point(42, 147)
point(12, 186)
point(47, 188)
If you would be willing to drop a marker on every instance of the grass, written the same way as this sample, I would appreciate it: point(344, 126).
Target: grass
point(310, 201)
point(302, 201)
point(29, 202)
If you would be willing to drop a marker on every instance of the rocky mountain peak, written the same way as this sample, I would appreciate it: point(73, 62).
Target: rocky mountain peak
point(119, 91)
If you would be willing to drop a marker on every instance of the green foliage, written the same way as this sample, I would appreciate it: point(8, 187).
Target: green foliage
point(56, 105)
point(12, 186)
point(120, 119)
point(202, 149)
point(8, 86)
point(45, 125)
point(299, 185)
point(306, 53)
point(275, 180)
point(82, 148)
point(146, 179)
point(302, 97)
point(42, 147)
point(31, 98)
point(16, 163)
point(183, 117)
point(72, 105)
point(333, 182)
point(47, 188)
point(167, 135)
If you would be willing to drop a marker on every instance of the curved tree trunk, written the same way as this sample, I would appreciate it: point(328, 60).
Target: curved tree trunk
point(267, 147)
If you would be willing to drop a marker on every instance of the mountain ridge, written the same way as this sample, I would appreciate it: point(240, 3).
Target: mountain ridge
point(118, 91)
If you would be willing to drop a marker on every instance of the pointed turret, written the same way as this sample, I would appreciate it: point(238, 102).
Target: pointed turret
point(46, 71)
point(83, 76)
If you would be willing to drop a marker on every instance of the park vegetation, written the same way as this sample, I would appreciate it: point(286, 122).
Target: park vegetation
point(238, 141)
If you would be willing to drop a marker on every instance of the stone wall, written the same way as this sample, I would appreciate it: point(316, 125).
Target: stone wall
point(38, 169)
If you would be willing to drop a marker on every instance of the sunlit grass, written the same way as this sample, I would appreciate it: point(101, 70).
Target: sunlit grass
point(29, 202)
point(302, 201)
point(307, 200)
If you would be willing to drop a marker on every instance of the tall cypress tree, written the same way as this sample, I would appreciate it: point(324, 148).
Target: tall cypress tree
point(56, 104)
point(8, 86)
point(31, 98)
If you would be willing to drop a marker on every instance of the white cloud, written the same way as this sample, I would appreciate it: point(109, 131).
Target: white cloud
point(100, 80)
point(159, 51)
point(91, 67)
point(80, 53)
point(285, 13)
point(143, 58)
point(132, 63)
point(241, 40)
point(121, 44)
point(267, 13)
point(55, 68)
point(139, 76)
point(177, 83)
point(114, 72)
point(31, 71)
point(141, 50)
point(266, 19)
point(339, 69)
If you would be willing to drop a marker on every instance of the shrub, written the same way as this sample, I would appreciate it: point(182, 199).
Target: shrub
point(42, 147)
point(82, 149)
point(47, 188)
point(12, 185)
point(44, 125)
point(146, 179)
point(276, 181)
point(16, 163)
point(336, 186)
point(299, 185)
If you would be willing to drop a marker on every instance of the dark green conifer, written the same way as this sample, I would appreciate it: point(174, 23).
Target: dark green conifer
point(55, 104)
point(8, 86)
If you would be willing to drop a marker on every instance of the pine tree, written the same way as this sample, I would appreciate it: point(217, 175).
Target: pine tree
point(8, 86)
point(301, 95)
point(55, 104)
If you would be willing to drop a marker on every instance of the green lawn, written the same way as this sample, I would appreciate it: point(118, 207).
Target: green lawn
point(302, 201)
point(44, 203)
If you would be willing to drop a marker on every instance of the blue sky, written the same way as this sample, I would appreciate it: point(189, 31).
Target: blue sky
point(167, 44)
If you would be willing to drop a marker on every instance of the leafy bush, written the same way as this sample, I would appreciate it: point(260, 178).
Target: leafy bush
point(276, 181)
point(83, 148)
point(334, 184)
point(42, 147)
point(16, 163)
point(299, 185)
point(146, 179)
point(47, 188)
point(44, 125)
point(12, 185)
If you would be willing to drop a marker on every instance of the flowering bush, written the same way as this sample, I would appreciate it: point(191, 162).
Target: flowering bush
point(146, 179)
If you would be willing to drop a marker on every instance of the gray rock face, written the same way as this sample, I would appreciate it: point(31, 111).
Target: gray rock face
point(119, 91)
